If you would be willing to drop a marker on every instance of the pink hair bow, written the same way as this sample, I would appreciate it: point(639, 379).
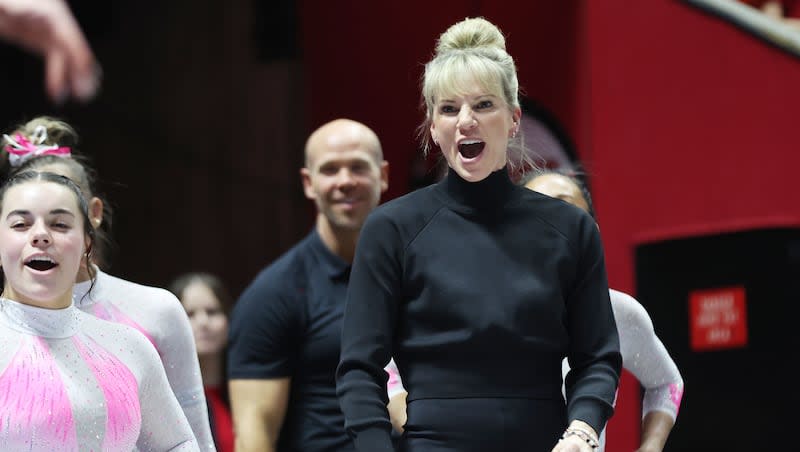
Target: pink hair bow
point(20, 150)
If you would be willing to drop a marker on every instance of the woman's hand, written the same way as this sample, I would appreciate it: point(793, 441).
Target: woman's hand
point(572, 444)
point(48, 28)
point(578, 437)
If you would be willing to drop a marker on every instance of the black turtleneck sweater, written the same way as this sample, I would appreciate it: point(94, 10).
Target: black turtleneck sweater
point(477, 289)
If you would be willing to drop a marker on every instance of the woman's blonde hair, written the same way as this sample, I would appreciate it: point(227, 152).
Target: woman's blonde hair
point(473, 50)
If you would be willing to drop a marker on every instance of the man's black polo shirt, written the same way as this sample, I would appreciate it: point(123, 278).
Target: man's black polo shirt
point(287, 323)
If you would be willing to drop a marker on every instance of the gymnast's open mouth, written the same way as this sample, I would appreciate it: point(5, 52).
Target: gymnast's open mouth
point(41, 262)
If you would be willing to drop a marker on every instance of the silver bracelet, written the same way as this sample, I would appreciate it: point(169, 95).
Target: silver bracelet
point(582, 434)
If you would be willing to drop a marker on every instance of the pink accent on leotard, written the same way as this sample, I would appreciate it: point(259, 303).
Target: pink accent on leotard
point(107, 311)
point(33, 400)
point(676, 394)
point(124, 417)
point(394, 378)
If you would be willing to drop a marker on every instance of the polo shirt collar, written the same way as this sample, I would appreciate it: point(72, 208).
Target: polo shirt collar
point(334, 266)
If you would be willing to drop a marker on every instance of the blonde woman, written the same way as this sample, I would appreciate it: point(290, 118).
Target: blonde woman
point(478, 288)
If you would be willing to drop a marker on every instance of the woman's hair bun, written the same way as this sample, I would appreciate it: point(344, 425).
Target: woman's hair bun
point(471, 33)
point(58, 132)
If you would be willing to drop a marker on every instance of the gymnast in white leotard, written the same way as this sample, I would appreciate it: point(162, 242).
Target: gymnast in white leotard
point(70, 381)
point(154, 311)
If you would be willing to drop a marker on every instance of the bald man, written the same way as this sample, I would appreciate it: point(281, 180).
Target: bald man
point(286, 326)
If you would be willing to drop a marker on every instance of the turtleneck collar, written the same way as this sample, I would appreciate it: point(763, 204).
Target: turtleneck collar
point(492, 192)
point(48, 323)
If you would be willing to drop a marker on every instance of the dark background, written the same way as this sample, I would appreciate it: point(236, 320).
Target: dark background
point(733, 389)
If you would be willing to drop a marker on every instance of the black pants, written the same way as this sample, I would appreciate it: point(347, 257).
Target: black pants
point(483, 425)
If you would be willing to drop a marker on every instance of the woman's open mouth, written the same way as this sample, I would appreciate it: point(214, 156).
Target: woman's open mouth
point(41, 263)
point(469, 149)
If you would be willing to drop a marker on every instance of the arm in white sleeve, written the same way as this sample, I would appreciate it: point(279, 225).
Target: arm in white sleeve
point(644, 355)
point(179, 356)
point(394, 385)
point(397, 397)
point(164, 424)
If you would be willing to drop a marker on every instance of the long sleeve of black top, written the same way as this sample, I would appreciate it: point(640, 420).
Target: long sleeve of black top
point(477, 290)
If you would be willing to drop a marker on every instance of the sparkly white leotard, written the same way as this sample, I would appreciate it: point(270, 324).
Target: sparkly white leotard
point(157, 314)
point(72, 382)
point(394, 385)
point(643, 354)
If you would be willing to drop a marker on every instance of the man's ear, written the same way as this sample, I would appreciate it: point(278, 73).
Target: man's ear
point(384, 176)
point(308, 188)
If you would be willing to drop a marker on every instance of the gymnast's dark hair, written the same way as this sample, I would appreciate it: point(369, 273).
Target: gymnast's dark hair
point(80, 168)
point(576, 177)
point(83, 205)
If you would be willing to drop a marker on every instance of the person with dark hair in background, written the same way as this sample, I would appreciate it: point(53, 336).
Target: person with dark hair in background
point(478, 288)
point(286, 326)
point(68, 380)
point(48, 144)
point(643, 353)
point(208, 304)
point(48, 28)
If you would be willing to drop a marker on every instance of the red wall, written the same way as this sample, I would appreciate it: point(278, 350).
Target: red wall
point(689, 127)
point(678, 116)
point(690, 131)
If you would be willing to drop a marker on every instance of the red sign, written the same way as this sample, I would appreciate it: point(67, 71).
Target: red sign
point(718, 318)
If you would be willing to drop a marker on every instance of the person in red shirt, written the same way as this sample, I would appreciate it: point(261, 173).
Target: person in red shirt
point(208, 304)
